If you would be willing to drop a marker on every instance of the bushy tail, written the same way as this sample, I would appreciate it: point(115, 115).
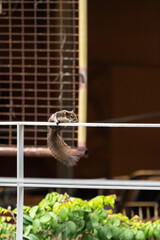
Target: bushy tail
point(60, 150)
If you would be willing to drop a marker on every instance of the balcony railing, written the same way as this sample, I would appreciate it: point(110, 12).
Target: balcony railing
point(20, 182)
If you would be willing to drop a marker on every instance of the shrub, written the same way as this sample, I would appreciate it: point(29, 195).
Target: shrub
point(62, 217)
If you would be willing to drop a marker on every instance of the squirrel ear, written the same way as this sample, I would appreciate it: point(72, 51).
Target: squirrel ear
point(72, 111)
point(66, 113)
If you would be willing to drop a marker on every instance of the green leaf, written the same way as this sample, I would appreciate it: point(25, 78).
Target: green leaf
point(96, 202)
point(95, 232)
point(31, 237)
point(27, 230)
point(58, 230)
point(146, 229)
point(8, 219)
point(115, 221)
point(2, 219)
point(128, 234)
point(109, 233)
point(115, 232)
point(122, 232)
point(80, 225)
point(94, 218)
point(103, 213)
point(110, 200)
point(27, 219)
point(100, 201)
point(140, 235)
point(71, 226)
point(3, 210)
point(102, 234)
point(33, 211)
point(46, 218)
point(158, 227)
point(65, 233)
point(63, 213)
point(105, 233)
point(36, 225)
point(150, 232)
point(156, 233)
point(26, 209)
point(54, 223)
point(89, 225)
point(135, 230)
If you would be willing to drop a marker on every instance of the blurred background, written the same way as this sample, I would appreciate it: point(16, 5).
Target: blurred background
point(123, 83)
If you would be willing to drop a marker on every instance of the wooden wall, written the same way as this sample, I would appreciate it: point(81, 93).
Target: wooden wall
point(124, 80)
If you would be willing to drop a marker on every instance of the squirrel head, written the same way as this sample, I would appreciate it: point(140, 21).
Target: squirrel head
point(71, 116)
point(63, 116)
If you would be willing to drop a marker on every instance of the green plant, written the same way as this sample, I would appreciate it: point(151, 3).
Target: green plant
point(7, 224)
point(62, 217)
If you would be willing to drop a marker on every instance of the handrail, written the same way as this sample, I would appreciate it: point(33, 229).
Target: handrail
point(112, 125)
point(81, 183)
point(20, 182)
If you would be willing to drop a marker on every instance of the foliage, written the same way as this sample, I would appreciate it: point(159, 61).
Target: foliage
point(69, 217)
point(63, 217)
point(7, 224)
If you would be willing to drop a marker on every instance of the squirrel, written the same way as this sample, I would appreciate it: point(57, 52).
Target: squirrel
point(59, 149)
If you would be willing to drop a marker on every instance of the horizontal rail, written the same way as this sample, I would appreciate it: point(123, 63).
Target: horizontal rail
point(20, 182)
point(81, 183)
point(117, 125)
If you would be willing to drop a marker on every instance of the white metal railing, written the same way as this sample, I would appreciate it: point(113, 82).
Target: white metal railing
point(20, 182)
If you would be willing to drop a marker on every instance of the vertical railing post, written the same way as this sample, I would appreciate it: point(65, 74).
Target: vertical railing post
point(82, 106)
point(20, 176)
